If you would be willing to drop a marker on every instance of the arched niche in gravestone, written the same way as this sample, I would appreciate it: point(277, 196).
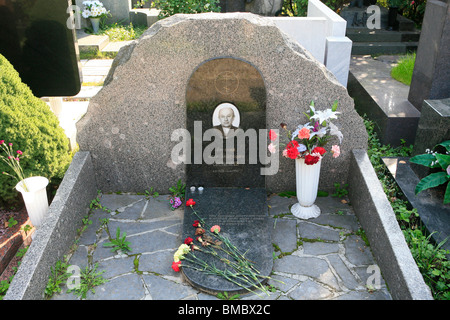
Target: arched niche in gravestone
point(226, 116)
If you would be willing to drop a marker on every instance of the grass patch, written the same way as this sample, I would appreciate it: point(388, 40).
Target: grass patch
point(117, 32)
point(404, 69)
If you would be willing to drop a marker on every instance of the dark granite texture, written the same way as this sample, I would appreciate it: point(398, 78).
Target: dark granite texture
point(215, 82)
point(242, 215)
point(431, 76)
point(35, 39)
point(391, 127)
point(429, 203)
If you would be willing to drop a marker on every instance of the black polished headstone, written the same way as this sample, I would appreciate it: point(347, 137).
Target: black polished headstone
point(243, 218)
point(36, 39)
point(234, 195)
point(213, 84)
point(431, 75)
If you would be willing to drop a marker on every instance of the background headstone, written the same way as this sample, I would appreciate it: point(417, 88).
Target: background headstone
point(433, 128)
point(36, 40)
point(431, 76)
point(129, 123)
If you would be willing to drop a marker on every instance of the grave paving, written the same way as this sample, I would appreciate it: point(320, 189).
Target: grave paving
point(321, 258)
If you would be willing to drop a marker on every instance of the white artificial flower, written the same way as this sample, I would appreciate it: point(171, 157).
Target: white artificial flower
point(86, 13)
point(325, 115)
point(334, 130)
point(321, 132)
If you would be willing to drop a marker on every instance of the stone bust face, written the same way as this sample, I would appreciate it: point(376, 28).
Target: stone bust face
point(226, 117)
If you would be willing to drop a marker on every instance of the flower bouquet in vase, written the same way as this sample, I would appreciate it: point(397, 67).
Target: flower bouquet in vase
point(306, 145)
point(94, 11)
point(33, 189)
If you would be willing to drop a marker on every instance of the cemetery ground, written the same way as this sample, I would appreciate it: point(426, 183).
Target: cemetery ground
point(347, 274)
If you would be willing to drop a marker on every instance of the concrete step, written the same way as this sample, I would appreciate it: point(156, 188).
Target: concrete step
point(115, 46)
point(376, 48)
point(90, 42)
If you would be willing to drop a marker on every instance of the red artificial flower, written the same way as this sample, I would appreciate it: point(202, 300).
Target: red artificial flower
point(272, 135)
point(188, 240)
point(196, 223)
point(176, 266)
point(319, 150)
point(292, 144)
point(292, 153)
point(190, 203)
point(309, 159)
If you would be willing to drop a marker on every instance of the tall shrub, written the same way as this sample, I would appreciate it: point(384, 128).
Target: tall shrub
point(28, 123)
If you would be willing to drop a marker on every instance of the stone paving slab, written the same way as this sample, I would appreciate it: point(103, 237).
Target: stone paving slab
point(322, 258)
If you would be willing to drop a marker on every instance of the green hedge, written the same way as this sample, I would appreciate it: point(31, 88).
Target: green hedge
point(31, 126)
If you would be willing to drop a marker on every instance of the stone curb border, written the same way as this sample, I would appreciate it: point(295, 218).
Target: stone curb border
point(79, 188)
point(51, 241)
point(387, 242)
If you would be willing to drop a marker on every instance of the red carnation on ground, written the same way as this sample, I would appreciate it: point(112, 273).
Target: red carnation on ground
point(188, 240)
point(196, 223)
point(309, 159)
point(176, 266)
point(190, 203)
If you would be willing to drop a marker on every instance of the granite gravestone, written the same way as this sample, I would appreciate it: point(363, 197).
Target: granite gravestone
point(431, 75)
point(226, 116)
point(143, 100)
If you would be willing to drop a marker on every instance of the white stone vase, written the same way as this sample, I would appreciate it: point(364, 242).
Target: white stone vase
point(35, 198)
point(95, 24)
point(307, 185)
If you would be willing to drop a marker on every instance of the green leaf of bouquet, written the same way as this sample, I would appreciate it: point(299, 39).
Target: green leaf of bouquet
point(444, 160)
point(431, 181)
point(335, 105)
point(447, 195)
point(445, 144)
point(424, 160)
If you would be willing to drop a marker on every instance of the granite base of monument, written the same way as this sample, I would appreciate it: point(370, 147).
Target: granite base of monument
point(242, 215)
